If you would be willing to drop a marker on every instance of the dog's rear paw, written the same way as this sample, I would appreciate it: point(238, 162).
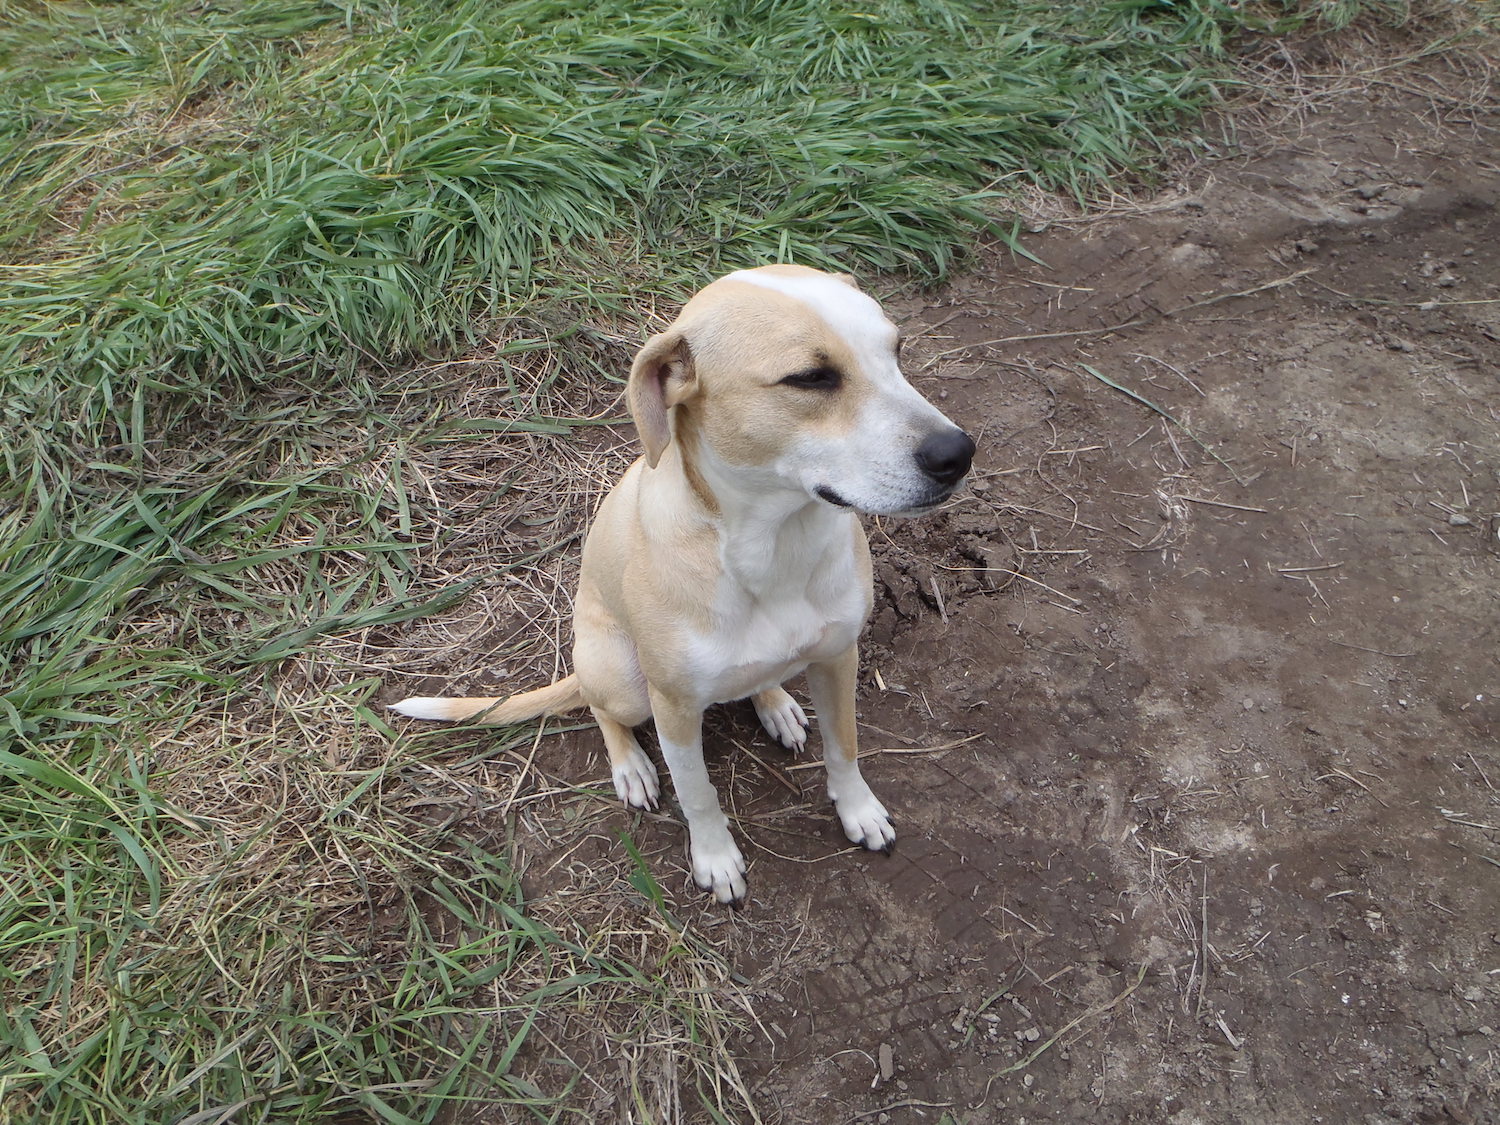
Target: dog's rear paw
point(782, 717)
point(720, 868)
point(636, 781)
point(867, 823)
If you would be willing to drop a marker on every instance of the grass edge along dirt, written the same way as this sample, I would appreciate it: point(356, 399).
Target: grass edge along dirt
point(224, 228)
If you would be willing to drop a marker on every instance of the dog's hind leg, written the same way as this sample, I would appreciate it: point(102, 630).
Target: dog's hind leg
point(609, 676)
point(782, 717)
point(634, 775)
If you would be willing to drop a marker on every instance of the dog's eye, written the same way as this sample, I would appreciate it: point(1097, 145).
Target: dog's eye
point(816, 379)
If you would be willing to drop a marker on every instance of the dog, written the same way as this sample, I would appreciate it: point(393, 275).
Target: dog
point(730, 557)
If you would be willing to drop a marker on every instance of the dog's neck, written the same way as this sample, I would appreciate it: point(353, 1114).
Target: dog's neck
point(772, 535)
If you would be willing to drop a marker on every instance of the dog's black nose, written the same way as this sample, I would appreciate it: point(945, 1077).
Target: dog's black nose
point(945, 456)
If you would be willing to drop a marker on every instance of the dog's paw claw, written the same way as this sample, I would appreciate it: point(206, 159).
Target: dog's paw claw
point(783, 718)
point(636, 782)
point(720, 869)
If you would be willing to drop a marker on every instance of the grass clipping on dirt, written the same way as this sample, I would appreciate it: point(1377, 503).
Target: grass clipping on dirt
point(228, 890)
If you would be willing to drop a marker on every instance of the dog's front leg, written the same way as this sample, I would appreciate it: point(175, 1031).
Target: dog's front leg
point(864, 818)
point(717, 863)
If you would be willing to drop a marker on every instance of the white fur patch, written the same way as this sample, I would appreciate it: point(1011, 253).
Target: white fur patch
point(422, 707)
point(854, 316)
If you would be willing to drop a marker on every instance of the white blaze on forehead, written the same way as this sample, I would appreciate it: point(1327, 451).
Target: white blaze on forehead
point(853, 316)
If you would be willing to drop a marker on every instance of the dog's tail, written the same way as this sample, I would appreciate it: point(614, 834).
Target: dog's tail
point(552, 700)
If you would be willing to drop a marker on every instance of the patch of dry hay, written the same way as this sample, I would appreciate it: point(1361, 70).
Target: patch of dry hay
point(323, 830)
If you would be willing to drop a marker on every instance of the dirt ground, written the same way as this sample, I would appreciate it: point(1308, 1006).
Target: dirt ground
point(1191, 725)
point(1217, 834)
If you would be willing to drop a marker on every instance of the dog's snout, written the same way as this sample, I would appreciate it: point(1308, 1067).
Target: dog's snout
point(946, 455)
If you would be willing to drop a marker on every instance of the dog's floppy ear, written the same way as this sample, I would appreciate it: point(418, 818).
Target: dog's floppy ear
point(661, 377)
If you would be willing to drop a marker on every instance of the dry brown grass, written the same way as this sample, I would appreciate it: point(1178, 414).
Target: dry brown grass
point(475, 502)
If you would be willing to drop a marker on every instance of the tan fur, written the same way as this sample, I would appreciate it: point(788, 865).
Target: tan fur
point(554, 699)
point(718, 567)
point(748, 419)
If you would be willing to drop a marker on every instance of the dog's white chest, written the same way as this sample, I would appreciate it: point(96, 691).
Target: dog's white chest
point(796, 611)
point(760, 644)
point(795, 630)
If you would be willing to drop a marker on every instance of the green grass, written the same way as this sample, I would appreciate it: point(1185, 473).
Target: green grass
point(224, 230)
point(198, 202)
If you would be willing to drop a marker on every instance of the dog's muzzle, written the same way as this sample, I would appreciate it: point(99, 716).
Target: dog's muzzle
point(943, 458)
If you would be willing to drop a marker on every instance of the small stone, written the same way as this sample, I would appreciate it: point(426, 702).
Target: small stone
point(887, 1062)
point(1028, 1081)
point(1473, 994)
point(1191, 255)
point(1031, 1035)
point(1247, 703)
point(1458, 519)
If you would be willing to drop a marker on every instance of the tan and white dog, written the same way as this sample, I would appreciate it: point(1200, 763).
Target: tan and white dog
point(729, 558)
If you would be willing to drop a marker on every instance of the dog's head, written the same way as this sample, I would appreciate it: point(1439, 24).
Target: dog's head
point(787, 377)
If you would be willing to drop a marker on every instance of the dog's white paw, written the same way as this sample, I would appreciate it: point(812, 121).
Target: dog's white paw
point(866, 822)
point(718, 865)
point(782, 717)
point(636, 782)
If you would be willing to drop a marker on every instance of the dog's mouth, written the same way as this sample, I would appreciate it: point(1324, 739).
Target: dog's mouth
point(931, 503)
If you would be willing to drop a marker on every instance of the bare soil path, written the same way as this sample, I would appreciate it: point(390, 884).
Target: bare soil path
point(1206, 826)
